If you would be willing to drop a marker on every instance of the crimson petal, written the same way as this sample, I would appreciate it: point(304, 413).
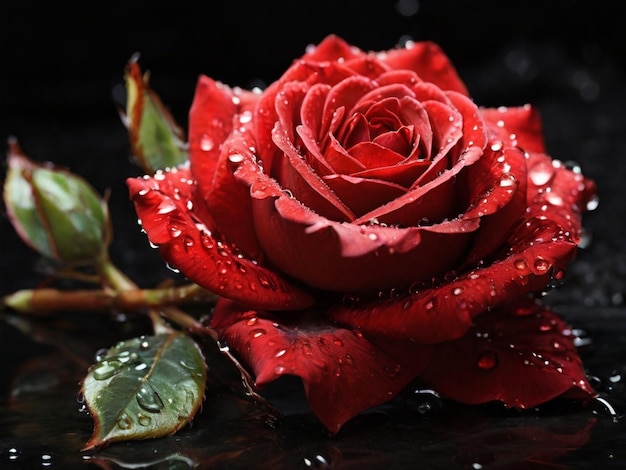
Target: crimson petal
point(343, 371)
point(351, 189)
point(520, 354)
point(187, 243)
point(519, 126)
point(444, 313)
point(429, 62)
point(349, 257)
point(332, 48)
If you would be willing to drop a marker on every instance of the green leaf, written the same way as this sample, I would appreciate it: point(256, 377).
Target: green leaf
point(157, 141)
point(143, 388)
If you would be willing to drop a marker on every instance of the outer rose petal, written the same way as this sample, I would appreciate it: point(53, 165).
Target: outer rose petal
point(429, 62)
point(351, 258)
point(215, 111)
point(210, 121)
point(444, 313)
point(520, 126)
point(343, 371)
point(332, 48)
point(520, 354)
point(167, 210)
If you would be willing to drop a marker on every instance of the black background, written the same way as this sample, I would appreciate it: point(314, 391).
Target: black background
point(61, 62)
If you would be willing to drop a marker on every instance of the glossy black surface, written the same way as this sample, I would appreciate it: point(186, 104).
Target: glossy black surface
point(62, 66)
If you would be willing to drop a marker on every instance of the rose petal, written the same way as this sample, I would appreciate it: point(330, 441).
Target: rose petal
point(210, 121)
point(403, 174)
point(169, 218)
point(332, 48)
point(351, 189)
point(428, 61)
point(432, 202)
point(519, 126)
point(311, 111)
point(348, 257)
point(297, 176)
point(266, 116)
point(564, 194)
point(520, 354)
point(496, 189)
point(443, 313)
point(343, 371)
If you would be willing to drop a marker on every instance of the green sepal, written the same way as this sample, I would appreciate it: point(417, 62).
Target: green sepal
point(157, 142)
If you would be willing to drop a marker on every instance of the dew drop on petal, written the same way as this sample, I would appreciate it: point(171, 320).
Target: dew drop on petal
point(520, 264)
point(507, 180)
point(188, 241)
point(235, 158)
point(541, 173)
point(541, 265)
point(165, 207)
point(257, 332)
point(206, 143)
point(496, 146)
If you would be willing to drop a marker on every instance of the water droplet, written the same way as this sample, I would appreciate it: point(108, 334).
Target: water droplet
point(207, 241)
point(593, 203)
point(507, 180)
point(541, 173)
point(149, 399)
point(188, 242)
point(124, 422)
point(521, 264)
point(487, 361)
point(280, 370)
point(338, 342)
point(143, 419)
point(349, 360)
point(496, 146)
point(105, 370)
point(13, 453)
point(166, 206)
point(101, 354)
point(252, 321)
point(541, 265)
point(206, 143)
point(257, 332)
point(175, 232)
point(457, 291)
point(235, 158)
point(281, 353)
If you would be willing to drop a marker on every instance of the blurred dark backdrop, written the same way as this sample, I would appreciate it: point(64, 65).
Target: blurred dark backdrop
point(61, 62)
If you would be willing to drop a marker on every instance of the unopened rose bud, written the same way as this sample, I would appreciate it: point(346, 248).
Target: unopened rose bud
point(55, 212)
point(157, 142)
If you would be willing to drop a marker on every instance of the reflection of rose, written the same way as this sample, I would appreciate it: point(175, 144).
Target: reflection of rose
point(358, 218)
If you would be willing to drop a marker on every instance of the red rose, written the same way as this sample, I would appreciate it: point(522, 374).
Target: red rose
point(366, 224)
